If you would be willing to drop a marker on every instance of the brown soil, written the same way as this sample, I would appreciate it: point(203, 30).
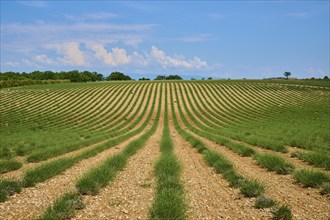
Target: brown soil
point(16, 174)
point(130, 195)
point(208, 195)
point(33, 201)
point(305, 203)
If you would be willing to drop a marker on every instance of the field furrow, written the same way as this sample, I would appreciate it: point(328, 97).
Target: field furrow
point(165, 150)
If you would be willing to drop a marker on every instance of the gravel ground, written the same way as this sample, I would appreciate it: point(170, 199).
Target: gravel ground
point(305, 203)
point(130, 195)
point(208, 195)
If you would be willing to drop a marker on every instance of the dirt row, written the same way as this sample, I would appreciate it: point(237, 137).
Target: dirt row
point(16, 174)
point(33, 201)
point(131, 194)
point(295, 161)
point(306, 203)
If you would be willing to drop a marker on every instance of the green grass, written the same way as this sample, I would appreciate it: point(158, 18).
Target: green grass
point(46, 171)
point(282, 213)
point(98, 177)
point(9, 165)
point(218, 162)
point(94, 180)
point(263, 201)
point(8, 188)
point(50, 169)
point(6, 153)
point(274, 163)
point(169, 201)
point(315, 158)
point(251, 188)
point(64, 207)
point(310, 178)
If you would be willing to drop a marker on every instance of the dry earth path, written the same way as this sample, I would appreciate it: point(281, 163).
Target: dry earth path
point(208, 194)
point(305, 203)
point(16, 174)
point(130, 195)
point(33, 201)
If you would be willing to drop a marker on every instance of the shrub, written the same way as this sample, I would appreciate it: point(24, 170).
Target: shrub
point(264, 202)
point(9, 165)
point(64, 207)
point(325, 189)
point(8, 188)
point(310, 178)
point(234, 179)
point(282, 213)
point(252, 189)
point(274, 163)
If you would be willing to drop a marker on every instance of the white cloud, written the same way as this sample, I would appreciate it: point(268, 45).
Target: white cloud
point(26, 38)
point(176, 62)
point(72, 55)
point(27, 62)
point(11, 64)
point(117, 56)
point(43, 58)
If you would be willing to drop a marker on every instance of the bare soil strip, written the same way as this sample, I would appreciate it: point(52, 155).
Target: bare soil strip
point(295, 161)
point(131, 194)
point(32, 202)
point(209, 195)
point(16, 174)
point(305, 203)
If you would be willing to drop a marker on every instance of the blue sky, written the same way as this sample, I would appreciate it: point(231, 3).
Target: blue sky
point(219, 39)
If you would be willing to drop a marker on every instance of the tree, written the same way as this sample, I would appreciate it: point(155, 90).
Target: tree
point(159, 77)
point(143, 79)
point(287, 74)
point(118, 76)
point(325, 77)
point(173, 77)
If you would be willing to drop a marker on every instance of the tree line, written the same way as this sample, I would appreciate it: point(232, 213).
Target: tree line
point(12, 79)
point(73, 76)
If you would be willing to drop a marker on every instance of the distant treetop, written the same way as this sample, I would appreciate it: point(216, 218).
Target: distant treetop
point(170, 77)
point(117, 76)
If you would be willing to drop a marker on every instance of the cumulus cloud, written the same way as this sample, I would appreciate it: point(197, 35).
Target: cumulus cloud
point(43, 58)
point(117, 56)
point(72, 55)
point(176, 62)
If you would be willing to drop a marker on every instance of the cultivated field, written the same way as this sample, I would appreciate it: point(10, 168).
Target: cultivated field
point(165, 150)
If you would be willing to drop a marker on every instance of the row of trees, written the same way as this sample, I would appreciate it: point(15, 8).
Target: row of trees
point(73, 76)
point(170, 77)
